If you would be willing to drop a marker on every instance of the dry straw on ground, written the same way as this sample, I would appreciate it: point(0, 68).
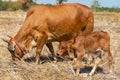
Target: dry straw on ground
point(10, 23)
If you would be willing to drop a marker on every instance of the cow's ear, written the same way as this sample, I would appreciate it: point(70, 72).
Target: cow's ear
point(35, 37)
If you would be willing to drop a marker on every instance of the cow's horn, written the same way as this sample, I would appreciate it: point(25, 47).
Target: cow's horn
point(5, 40)
point(9, 36)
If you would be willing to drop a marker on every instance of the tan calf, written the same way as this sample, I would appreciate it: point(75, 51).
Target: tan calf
point(89, 44)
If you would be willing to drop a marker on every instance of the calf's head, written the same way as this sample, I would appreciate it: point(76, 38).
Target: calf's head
point(62, 49)
point(62, 52)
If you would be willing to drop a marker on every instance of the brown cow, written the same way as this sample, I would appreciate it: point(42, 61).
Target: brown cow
point(89, 44)
point(45, 24)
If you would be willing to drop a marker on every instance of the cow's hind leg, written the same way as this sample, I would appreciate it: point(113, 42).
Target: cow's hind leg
point(89, 26)
point(50, 47)
point(110, 61)
point(96, 62)
point(40, 43)
point(107, 50)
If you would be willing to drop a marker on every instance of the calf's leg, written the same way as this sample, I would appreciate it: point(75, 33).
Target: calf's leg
point(96, 62)
point(71, 53)
point(79, 60)
point(110, 61)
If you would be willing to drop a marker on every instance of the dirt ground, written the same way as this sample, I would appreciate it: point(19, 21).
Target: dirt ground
point(10, 23)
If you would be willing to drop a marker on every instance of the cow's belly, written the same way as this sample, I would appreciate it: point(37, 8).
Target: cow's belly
point(59, 38)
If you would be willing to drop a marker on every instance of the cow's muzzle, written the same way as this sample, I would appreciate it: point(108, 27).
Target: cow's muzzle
point(11, 48)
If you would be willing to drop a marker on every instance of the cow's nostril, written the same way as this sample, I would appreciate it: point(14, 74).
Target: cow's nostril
point(58, 54)
point(11, 48)
point(13, 58)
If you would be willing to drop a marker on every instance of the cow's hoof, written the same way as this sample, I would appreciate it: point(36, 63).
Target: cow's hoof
point(55, 59)
point(39, 62)
point(111, 72)
point(76, 74)
point(90, 74)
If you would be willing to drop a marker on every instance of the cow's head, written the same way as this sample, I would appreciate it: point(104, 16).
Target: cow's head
point(19, 48)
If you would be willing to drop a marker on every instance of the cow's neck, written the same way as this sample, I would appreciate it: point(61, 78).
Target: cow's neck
point(21, 36)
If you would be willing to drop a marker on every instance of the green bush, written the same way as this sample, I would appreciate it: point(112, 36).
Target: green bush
point(13, 6)
point(106, 9)
point(31, 4)
point(1, 5)
point(8, 5)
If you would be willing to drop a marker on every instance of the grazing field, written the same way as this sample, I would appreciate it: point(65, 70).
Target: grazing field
point(10, 23)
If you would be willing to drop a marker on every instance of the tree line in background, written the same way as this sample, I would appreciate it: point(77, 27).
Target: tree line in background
point(25, 4)
point(97, 8)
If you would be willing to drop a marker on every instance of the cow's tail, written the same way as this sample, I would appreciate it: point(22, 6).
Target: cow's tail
point(90, 24)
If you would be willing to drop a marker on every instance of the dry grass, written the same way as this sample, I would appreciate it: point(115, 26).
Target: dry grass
point(10, 23)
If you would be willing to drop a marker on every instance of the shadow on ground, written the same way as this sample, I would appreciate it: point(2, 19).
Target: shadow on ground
point(43, 59)
point(87, 69)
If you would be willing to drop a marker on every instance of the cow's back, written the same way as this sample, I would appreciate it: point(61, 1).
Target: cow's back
point(60, 21)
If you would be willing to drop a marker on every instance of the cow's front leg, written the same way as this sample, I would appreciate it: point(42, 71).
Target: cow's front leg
point(50, 47)
point(40, 43)
point(37, 58)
